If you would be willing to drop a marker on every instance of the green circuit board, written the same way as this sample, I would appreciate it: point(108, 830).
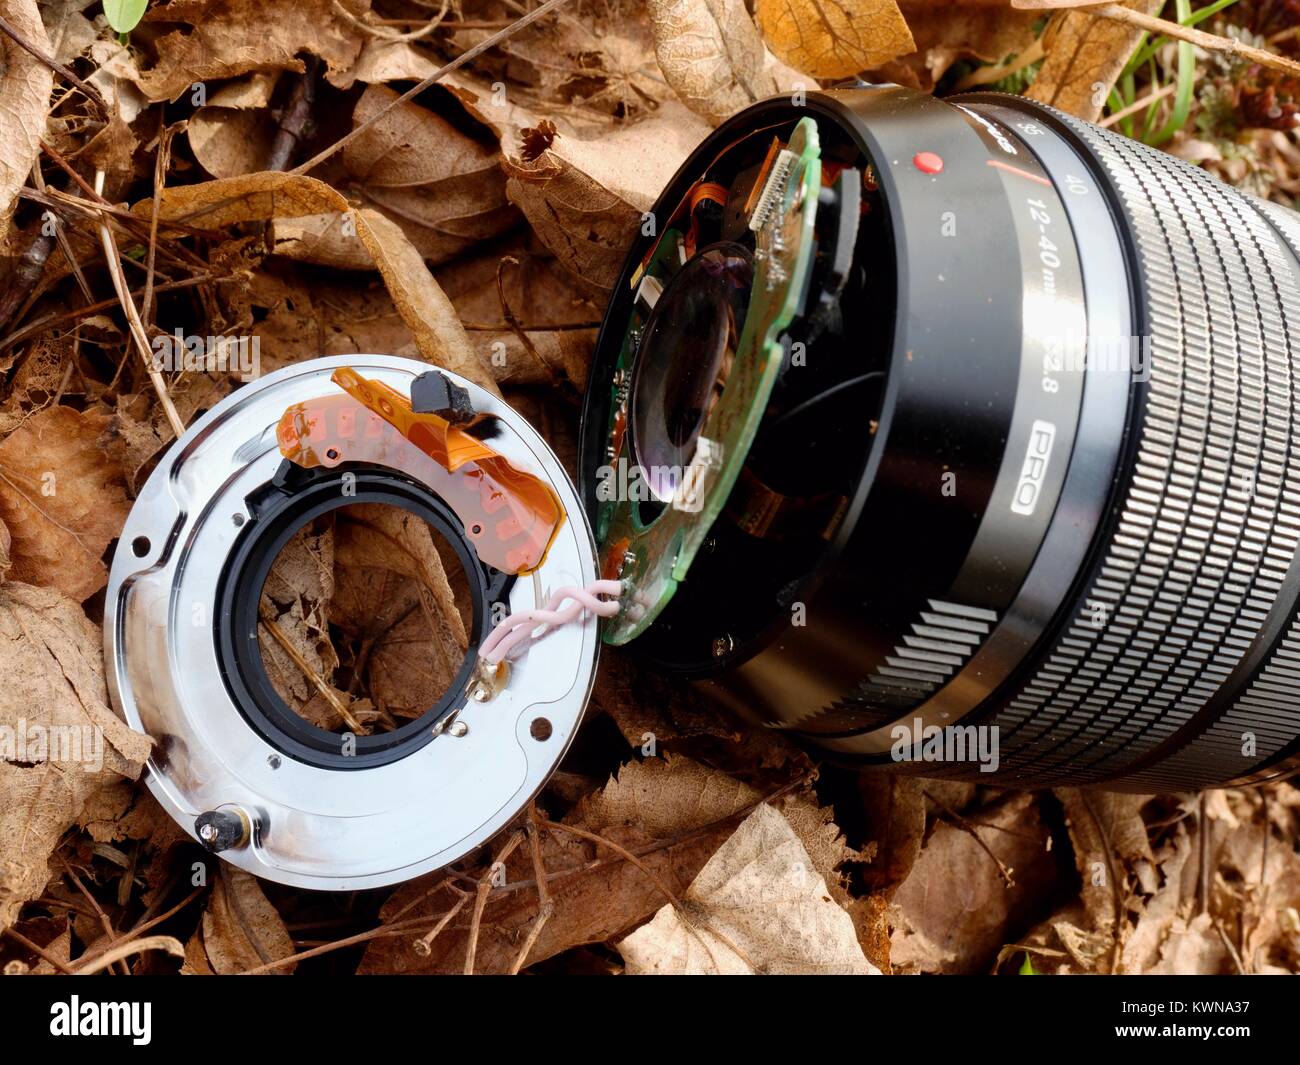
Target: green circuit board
point(652, 557)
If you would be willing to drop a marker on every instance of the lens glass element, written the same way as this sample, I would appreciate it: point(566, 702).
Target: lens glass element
point(684, 359)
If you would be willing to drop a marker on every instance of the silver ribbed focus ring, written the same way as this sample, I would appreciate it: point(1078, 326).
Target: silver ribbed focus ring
point(1207, 529)
point(1265, 720)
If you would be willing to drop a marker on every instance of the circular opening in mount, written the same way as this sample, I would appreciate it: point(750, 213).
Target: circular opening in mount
point(364, 619)
point(140, 546)
point(540, 729)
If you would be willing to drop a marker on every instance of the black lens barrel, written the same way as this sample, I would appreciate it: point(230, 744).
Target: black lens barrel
point(1076, 511)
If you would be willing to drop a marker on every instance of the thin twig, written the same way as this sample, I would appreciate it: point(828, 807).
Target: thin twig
point(1138, 105)
point(1209, 41)
point(39, 951)
point(295, 116)
point(545, 905)
point(19, 335)
point(65, 246)
point(91, 93)
point(378, 31)
point(481, 897)
point(432, 79)
point(162, 157)
point(133, 317)
point(170, 944)
point(986, 75)
point(424, 945)
point(395, 929)
point(966, 826)
point(104, 922)
point(142, 927)
point(304, 667)
point(622, 852)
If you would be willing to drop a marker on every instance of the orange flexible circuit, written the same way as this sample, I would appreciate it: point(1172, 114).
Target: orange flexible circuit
point(511, 516)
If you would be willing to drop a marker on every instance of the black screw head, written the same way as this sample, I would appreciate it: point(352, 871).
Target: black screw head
point(220, 830)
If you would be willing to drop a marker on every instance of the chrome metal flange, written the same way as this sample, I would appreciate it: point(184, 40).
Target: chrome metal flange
point(275, 802)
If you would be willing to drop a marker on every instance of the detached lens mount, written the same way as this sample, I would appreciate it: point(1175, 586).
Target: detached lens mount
point(236, 766)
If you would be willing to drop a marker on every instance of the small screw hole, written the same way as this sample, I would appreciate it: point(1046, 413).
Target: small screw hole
point(238, 519)
point(476, 529)
point(140, 546)
point(273, 761)
point(332, 454)
point(540, 729)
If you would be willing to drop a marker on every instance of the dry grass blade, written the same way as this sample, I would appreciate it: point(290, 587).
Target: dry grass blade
point(111, 255)
point(136, 946)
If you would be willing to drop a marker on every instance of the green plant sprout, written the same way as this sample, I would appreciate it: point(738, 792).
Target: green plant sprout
point(124, 15)
point(1125, 93)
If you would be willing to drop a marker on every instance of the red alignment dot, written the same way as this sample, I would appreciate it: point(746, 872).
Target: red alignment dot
point(928, 163)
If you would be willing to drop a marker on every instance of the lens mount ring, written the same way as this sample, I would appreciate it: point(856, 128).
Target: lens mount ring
point(326, 826)
point(295, 498)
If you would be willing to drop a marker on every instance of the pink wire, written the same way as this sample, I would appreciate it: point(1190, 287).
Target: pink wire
point(517, 628)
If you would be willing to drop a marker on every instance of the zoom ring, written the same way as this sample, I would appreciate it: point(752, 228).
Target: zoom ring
point(1268, 712)
point(1206, 533)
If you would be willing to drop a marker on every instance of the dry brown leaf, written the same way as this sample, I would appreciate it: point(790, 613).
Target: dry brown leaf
point(295, 598)
point(383, 61)
point(69, 31)
point(116, 76)
point(895, 814)
point(396, 600)
point(25, 86)
point(1085, 57)
point(36, 381)
point(664, 796)
point(601, 896)
point(758, 906)
point(834, 38)
point(233, 133)
point(241, 929)
point(954, 911)
point(444, 188)
point(712, 54)
point(424, 307)
point(1109, 838)
point(584, 196)
point(63, 498)
point(227, 38)
point(54, 678)
point(558, 318)
point(946, 32)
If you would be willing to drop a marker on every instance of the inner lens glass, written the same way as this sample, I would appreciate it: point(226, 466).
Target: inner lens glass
point(685, 357)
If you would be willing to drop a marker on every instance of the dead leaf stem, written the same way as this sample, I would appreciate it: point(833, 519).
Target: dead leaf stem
point(1209, 41)
point(545, 904)
point(170, 944)
point(39, 951)
point(323, 689)
point(969, 828)
point(481, 896)
point(133, 317)
point(379, 30)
